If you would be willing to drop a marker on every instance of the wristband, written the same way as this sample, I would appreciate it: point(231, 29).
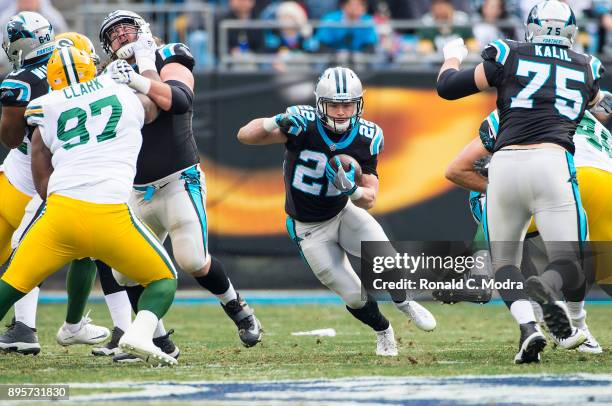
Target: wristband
point(140, 83)
point(357, 194)
point(145, 64)
point(270, 124)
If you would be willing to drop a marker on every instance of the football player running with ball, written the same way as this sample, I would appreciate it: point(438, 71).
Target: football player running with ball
point(325, 205)
point(169, 189)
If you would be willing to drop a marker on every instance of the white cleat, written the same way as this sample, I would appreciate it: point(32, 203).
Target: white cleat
point(575, 339)
point(86, 334)
point(145, 350)
point(385, 343)
point(420, 316)
point(590, 346)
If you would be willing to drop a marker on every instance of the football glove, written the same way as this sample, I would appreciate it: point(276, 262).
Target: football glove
point(122, 72)
point(342, 180)
point(455, 49)
point(481, 165)
point(144, 52)
point(291, 124)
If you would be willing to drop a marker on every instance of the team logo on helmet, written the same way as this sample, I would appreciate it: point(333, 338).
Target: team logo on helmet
point(27, 37)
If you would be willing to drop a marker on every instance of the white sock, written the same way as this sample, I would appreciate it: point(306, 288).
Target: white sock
point(522, 311)
point(229, 295)
point(119, 307)
point(73, 328)
point(159, 330)
point(25, 308)
point(144, 324)
point(577, 313)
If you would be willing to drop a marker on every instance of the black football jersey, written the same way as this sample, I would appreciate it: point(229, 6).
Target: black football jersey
point(542, 91)
point(310, 197)
point(168, 144)
point(22, 85)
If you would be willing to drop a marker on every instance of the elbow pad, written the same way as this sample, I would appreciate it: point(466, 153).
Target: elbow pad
point(182, 97)
point(454, 84)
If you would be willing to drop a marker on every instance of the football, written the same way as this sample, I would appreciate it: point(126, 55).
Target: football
point(346, 161)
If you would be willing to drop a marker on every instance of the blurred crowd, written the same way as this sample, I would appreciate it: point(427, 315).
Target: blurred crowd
point(388, 30)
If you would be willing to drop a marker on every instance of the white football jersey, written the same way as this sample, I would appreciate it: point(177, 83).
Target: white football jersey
point(93, 131)
point(17, 167)
point(593, 144)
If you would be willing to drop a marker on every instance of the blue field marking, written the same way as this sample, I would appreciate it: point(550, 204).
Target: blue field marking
point(268, 298)
point(500, 390)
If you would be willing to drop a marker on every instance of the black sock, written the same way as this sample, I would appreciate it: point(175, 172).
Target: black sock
point(370, 315)
point(134, 293)
point(575, 295)
point(513, 274)
point(107, 280)
point(216, 281)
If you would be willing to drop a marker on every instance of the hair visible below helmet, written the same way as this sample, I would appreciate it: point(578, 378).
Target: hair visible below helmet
point(121, 17)
point(79, 41)
point(27, 36)
point(551, 22)
point(338, 85)
point(68, 66)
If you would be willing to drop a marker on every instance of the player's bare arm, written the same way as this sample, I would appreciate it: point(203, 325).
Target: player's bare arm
point(151, 108)
point(366, 192)
point(160, 91)
point(41, 164)
point(12, 126)
point(255, 133)
point(461, 170)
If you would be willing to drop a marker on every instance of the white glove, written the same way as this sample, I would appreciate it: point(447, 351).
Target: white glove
point(122, 72)
point(604, 105)
point(144, 52)
point(455, 49)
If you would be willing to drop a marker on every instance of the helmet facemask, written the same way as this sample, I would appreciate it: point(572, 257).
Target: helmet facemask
point(333, 123)
point(117, 25)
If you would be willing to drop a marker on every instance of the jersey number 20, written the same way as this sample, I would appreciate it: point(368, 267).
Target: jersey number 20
point(80, 130)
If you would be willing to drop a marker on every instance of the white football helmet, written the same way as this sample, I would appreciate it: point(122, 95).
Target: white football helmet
point(123, 17)
point(27, 36)
point(551, 22)
point(338, 85)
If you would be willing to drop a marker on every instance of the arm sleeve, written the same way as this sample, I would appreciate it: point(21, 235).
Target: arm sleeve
point(182, 97)
point(454, 84)
point(494, 56)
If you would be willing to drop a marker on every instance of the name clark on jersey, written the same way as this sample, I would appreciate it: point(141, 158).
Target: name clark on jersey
point(455, 284)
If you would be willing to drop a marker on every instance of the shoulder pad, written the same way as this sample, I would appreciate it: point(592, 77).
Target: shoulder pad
point(34, 112)
point(497, 51)
point(304, 110)
point(372, 134)
point(597, 69)
point(175, 52)
point(15, 92)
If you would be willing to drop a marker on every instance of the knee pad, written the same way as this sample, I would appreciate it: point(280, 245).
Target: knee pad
point(123, 280)
point(188, 248)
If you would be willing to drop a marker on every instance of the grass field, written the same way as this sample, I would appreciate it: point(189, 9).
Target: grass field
point(469, 340)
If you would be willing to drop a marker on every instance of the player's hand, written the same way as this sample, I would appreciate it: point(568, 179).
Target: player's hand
point(455, 49)
point(481, 165)
point(342, 180)
point(121, 71)
point(291, 124)
point(145, 47)
point(604, 105)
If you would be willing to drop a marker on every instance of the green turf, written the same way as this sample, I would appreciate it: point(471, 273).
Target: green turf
point(469, 339)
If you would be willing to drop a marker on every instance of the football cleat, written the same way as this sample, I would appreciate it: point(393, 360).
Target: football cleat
point(144, 349)
point(590, 346)
point(385, 343)
point(555, 313)
point(163, 343)
point(249, 328)
point(452, 296)
point(87, 334)
point(531, 344)
point(420, 316)
point(111, 347)
point(577, 338)
point(19, 338)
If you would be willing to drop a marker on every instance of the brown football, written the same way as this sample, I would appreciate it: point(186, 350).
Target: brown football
point(346, 161)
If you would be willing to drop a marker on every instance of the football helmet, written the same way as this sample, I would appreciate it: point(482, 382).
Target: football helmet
point(130, 21)
point(551, 22)
point(338, 85)
point(79, 41)
point(27, 36)
point(68, 66)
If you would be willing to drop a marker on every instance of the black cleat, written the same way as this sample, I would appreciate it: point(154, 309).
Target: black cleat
point(249, 328)
point(555, 316)
point(476, 295)
point(19, 338)
point(531, 344)
point(164, 343)
point(111, 347)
